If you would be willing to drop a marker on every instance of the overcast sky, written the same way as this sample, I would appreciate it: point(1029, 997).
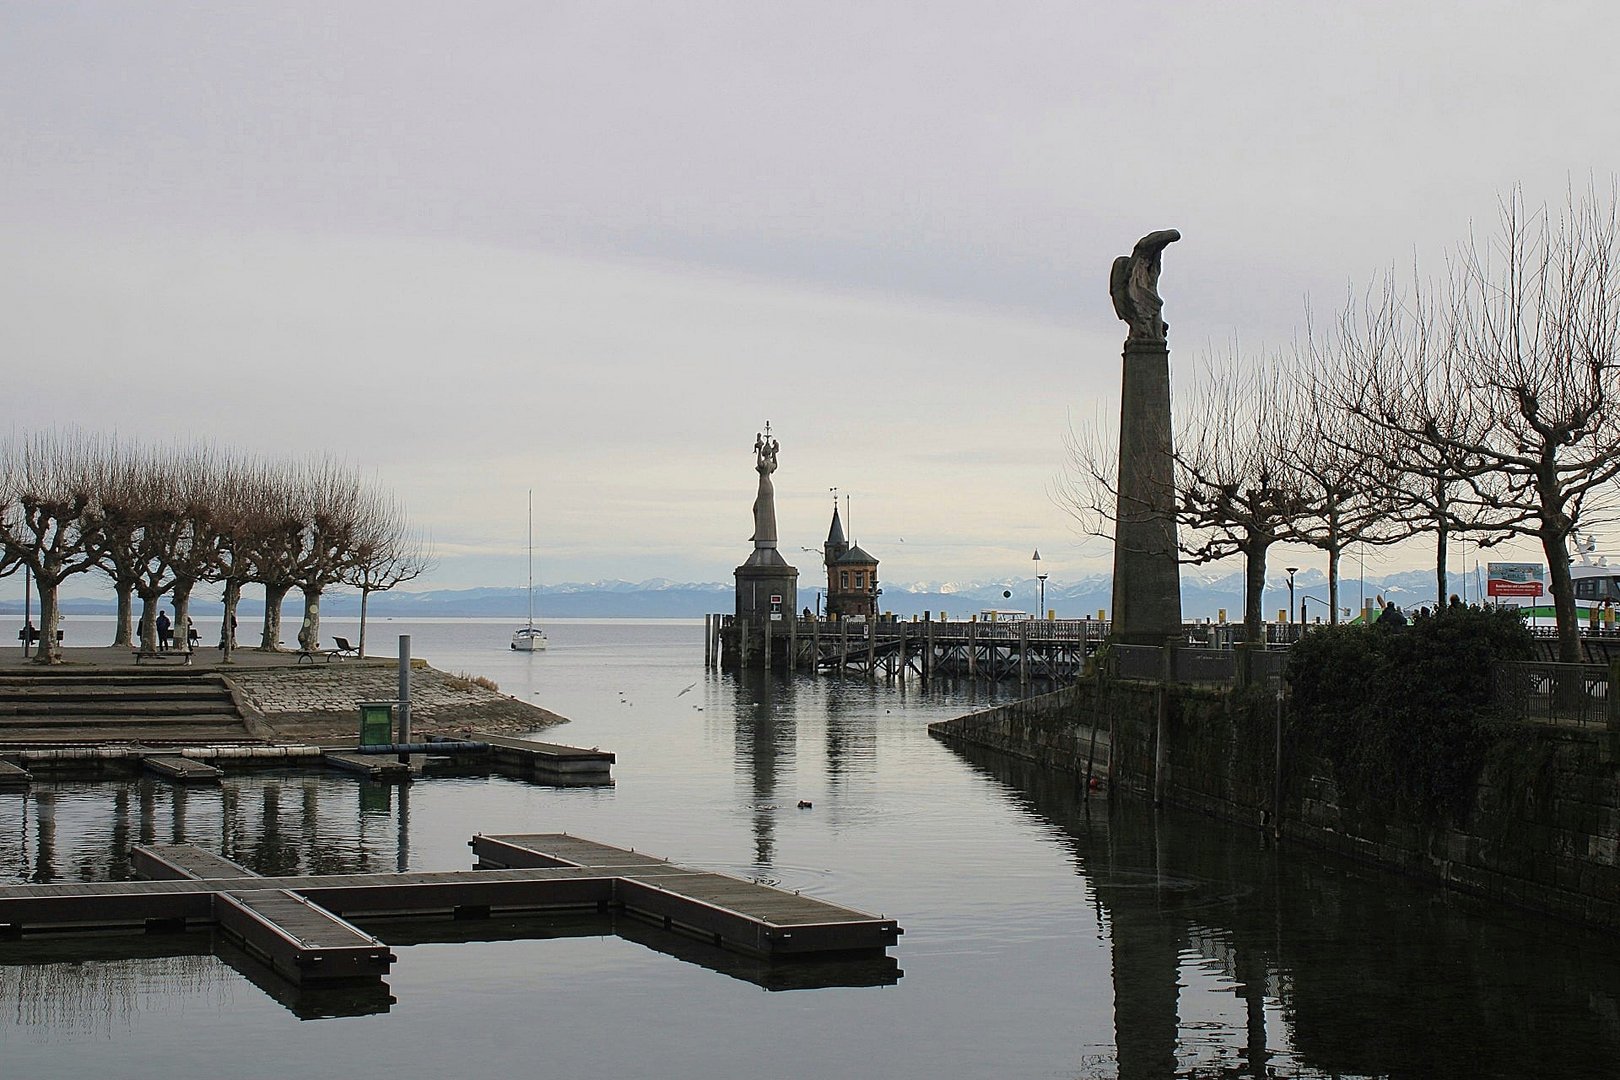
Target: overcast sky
point(590, 248)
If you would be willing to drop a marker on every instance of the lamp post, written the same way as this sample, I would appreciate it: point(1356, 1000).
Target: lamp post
point(1292, 570)
point(1040, 575)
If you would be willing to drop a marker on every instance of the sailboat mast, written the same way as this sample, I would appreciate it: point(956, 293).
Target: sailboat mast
point(531, 558)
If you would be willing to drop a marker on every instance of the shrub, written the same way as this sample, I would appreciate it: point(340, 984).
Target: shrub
point(1403, 713)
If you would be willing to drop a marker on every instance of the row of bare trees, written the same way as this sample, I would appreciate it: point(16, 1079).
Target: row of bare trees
point(158, 521)
point(1486, 403)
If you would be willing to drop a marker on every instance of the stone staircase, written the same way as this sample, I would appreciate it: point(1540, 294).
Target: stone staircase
point(64, 707)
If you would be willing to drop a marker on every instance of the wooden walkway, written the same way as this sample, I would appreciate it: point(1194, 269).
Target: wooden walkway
point(297, 923)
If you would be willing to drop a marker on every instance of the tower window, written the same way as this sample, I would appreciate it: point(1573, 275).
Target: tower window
point(843, 579)
point(860, 579)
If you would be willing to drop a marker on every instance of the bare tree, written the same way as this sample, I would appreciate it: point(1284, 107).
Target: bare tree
point(1347, 490)
point(1235, 495)
point(141, 526)
point(334, 503)
point(270, 549)
point(52, 517)
point(1531, 338)
point(386, 555)
point(1399, 379)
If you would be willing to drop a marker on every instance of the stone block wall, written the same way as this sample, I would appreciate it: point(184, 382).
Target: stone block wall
point(1542, 832)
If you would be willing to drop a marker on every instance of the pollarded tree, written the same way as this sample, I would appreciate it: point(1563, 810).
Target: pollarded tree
point(335, 505)
point(271, 549)
point(1235, 495)
point(1347, 490)
point(203, 476)
point(52, 517)
point(386, 555)
point(142, 528)
point(1396, 378)
point(1532, 342)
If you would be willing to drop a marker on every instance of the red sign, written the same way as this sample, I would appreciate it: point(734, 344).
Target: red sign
point(1495, 587)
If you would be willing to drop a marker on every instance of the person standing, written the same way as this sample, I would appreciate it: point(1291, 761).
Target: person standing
point(164, 627)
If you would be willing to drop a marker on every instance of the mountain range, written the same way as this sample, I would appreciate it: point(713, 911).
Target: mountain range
point(1202, 597)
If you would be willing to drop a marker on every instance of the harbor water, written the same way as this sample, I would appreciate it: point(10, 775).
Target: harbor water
point(1045, 935)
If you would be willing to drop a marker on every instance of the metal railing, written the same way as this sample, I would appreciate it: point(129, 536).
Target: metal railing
point(1575, 695)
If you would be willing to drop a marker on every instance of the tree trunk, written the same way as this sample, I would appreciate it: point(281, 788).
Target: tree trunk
point(1556, 548)
point(1254, 587)
point(182, 611)
point(309, 634)
point(227, 620)
point(1333, 586)
point(123, 629)
point(50, 617)
point(273, 596)
point(365, 595)
point(148, 632)
point(1442, 540)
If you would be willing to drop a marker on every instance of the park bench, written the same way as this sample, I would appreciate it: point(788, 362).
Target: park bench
point(343, 649)
point(30, 634)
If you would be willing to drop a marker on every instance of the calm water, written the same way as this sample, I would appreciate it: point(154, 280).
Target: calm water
point(1042, 939)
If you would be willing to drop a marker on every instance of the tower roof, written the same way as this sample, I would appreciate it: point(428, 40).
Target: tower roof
point(857, 554)
point(835, 535)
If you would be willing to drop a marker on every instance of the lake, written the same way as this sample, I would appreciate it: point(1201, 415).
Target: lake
point(1045, 935)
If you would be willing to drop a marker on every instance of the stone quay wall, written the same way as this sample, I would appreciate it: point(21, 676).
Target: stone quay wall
point(1542, 830)
point(322, 700)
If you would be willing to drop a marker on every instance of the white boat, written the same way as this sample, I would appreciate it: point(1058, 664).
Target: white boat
point(529, 637)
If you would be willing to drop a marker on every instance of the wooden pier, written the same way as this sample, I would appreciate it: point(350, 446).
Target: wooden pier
point(1022, 649)
point(297, 924)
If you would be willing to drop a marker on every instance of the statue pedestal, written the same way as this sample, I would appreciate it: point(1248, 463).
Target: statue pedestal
point(767, 604)
point(766, 586)
point(1147, 568)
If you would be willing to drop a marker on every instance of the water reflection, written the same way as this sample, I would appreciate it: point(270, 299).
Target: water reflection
point(283, 826)
point(764, 737)
point(1338, 970)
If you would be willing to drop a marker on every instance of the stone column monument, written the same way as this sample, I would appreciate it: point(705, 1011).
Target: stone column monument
point(1147, 575)
point(767, 587)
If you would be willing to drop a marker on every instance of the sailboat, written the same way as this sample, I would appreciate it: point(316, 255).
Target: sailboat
point(529, 637)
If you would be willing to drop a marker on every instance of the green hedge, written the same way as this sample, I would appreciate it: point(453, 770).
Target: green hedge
point(1403, 714)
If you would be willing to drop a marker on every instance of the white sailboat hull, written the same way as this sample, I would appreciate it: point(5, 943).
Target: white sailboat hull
point(529, 639)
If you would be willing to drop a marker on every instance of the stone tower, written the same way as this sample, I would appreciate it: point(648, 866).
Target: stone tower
point(852, 579)
point(1147, 570)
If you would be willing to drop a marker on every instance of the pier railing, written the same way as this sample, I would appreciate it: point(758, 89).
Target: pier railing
point(1578, 695)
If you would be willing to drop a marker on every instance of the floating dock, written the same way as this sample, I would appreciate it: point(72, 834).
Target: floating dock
point(731, 912)
point(182, 770)
point(297, 923)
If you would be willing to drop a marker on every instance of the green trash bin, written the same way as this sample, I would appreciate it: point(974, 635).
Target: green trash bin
point(376, 723)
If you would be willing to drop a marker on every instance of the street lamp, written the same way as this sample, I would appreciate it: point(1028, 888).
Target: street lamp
point(1040, 575)
point(1292, 570)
